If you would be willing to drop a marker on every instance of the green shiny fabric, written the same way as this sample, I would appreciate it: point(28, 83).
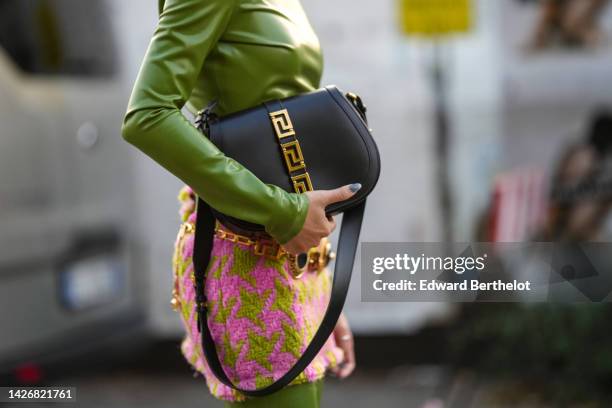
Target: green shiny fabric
point(306, 395)
point(241, 52)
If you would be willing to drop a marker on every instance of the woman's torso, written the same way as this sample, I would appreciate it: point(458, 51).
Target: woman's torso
point(261, 317)
point(268, 51)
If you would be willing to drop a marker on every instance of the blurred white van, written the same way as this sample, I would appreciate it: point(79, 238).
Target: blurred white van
point(67, 266)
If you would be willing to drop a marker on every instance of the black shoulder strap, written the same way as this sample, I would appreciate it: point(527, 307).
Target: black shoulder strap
point(347, 247)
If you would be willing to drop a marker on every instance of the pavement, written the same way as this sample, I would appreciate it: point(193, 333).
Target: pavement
point(160, 389)
point(156, 376)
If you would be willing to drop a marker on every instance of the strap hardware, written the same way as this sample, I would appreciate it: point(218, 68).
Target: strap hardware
point(206, 116)
point(358, 104)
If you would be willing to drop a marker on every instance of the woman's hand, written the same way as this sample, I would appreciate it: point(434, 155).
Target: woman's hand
point(344, 340)
point(317, 224)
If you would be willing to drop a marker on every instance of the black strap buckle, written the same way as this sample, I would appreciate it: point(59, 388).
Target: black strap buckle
point(358, 104)
point(200, 303)
point(201, 309)
point(206, 116)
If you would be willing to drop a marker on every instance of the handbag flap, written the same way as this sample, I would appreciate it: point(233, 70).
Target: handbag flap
point(334, 142)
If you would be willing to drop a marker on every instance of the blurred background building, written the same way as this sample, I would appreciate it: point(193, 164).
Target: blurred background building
point(87, 223)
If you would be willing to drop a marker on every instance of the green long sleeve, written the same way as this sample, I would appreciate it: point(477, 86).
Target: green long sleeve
point(188, 32)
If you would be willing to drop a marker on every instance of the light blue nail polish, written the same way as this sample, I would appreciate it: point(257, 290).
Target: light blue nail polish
point(355, 187)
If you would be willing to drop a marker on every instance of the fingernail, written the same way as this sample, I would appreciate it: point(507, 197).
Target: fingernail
point(355, 187)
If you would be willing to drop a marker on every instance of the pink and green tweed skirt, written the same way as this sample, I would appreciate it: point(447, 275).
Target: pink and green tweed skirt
point(260, 317)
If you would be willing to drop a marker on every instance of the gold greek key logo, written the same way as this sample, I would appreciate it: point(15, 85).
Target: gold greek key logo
point(269, 249)
point(302, 183)
point(292, 152)
point(293, 156)
point(282, 124)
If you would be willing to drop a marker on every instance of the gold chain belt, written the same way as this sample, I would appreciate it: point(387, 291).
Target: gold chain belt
point(262, 246)
point(316, 259)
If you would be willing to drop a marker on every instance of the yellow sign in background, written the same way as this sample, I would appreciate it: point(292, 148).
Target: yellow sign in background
point(435, 17)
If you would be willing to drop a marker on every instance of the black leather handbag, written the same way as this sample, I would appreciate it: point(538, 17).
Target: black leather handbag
point(318, 140)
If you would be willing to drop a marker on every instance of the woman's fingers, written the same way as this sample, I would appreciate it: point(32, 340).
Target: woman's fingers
point(344, 340)
point(348, 365)
point(317, 224)
point(339, 194)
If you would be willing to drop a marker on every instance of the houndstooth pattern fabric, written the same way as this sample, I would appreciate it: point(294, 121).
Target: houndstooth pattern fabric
point(260, 317)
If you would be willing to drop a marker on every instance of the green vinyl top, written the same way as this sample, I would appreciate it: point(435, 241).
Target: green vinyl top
point(241, 52)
